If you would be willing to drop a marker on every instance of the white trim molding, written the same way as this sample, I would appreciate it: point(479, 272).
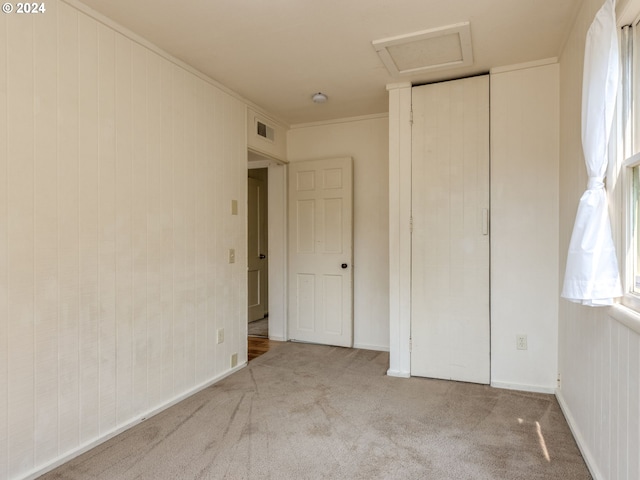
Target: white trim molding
point(338, 121)
point(377, 348)
point(399, 229)
point(523, 66)
point(577, 435)
point(520, 387)
point(626, 316)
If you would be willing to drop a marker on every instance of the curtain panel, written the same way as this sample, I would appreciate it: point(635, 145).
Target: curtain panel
point(592, 277)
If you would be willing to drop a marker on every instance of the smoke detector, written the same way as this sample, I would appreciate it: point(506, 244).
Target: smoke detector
point(319, 97)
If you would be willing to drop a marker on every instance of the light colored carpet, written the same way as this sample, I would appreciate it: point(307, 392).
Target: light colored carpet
point(315, 412)
point(259, 328)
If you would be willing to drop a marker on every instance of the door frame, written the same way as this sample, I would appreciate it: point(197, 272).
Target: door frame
point(399, 229)
point(277, 240)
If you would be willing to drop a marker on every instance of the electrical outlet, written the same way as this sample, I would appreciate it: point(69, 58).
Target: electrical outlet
point(232, 255)
point(521, 342)
point(220, 335)
point(234, 360)
point(559, 381)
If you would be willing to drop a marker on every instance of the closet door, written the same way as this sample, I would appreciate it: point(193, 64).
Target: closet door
point(450, 328)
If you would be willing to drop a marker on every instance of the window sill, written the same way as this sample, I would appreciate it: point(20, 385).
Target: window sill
point(626, 316)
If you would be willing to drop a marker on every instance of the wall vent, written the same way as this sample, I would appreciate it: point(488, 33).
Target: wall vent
point(265, 131)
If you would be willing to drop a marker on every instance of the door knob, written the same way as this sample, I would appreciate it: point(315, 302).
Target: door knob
point(344, 265)
point(262, 256)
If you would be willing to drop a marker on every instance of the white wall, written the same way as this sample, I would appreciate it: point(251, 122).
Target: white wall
point(116, 182)
point(599, 358)
point(366, 140)
point(524, 226)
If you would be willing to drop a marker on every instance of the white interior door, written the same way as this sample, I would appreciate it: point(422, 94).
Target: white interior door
point(450, 325)
point(256, 249)
point(320, 251)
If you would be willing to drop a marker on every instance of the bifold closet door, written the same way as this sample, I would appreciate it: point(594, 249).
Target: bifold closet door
point(450, 325)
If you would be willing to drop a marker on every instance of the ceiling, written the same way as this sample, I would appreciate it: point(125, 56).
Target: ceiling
point(277, 53)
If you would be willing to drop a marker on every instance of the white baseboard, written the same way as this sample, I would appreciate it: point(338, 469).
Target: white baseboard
point(577, 435)
point(42, 469)
point(524, 387)
point(364, 346)
point(398, 373)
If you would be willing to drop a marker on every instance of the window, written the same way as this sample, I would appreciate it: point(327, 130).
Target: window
point(628, 148)
point(634, 233)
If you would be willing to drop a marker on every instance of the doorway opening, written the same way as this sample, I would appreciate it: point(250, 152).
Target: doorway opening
point(267, 295)
point(257, 252)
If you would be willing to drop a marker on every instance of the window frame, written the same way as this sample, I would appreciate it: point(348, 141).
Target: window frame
point(631, 297)
point(628, 139)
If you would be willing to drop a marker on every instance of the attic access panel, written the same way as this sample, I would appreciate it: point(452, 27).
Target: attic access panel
point(427, 50)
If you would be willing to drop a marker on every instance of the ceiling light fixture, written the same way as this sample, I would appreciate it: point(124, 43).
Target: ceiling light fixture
point(319, 97)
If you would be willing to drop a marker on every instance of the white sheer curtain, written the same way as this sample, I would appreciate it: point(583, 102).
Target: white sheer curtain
point(591, 276)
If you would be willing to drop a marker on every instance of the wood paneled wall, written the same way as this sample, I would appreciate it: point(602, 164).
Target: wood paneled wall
point(524, 225)
point(117, 171)
point(599, 358)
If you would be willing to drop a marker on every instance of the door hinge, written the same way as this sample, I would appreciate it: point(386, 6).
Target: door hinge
point(410, 224)
point(411, 344)
point(411, 117)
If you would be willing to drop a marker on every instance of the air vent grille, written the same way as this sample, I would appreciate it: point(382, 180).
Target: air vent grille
point(265, 131)
point(435, 49)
